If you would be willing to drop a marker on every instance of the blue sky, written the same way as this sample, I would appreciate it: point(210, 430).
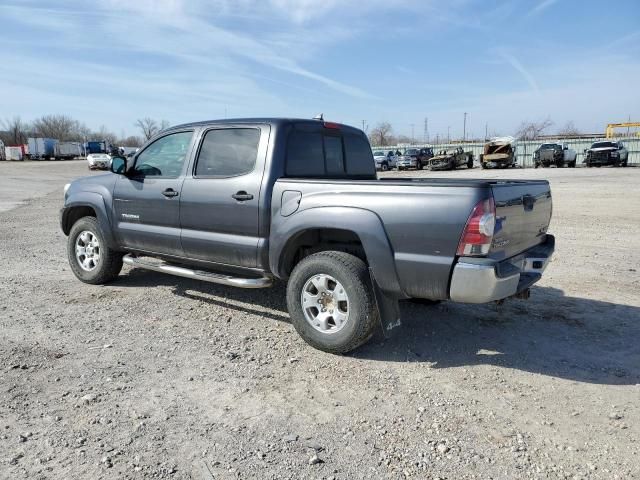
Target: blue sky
point(110, 62)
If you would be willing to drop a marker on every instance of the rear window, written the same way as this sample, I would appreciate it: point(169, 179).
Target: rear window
point(315, 153)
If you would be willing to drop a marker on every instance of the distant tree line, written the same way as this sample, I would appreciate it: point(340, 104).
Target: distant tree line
point(15, 131)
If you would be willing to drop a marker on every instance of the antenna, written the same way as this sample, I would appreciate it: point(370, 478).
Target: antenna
point(320, 117)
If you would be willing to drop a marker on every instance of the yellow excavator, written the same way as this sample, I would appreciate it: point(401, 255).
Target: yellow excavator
point(609, 132)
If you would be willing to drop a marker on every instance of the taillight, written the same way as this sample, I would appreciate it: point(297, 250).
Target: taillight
point(478, 232)
point(332, 125)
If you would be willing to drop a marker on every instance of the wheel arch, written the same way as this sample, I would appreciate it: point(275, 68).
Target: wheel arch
point(87, 204)
point(348, 229)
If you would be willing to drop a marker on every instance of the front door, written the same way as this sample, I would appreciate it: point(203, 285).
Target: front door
point(146, 202)
point(219, 207)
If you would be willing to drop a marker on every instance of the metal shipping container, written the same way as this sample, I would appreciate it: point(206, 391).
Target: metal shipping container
point(42, 148)
point(69, 150)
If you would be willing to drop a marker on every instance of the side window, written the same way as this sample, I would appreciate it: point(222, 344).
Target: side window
point(333, 155)
point(359, 158)
point(228, 152)
point(304, 154)
point(164, 157)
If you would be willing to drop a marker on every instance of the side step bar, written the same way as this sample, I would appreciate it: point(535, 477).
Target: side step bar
point(222, 279)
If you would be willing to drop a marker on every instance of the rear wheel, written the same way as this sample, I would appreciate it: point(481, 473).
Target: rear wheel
point(90, 259)
point(470, 163)
point(384, 167)
point(330, 301)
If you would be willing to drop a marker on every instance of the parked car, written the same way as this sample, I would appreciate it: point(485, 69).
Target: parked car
point(499, 153)
point(452, 159)
point(556, 154)
point(99, 161)
point(384, 161)
point(411, 158)
point(606, 153)
point(420, 155)
point(299, 200)
point(42, 148)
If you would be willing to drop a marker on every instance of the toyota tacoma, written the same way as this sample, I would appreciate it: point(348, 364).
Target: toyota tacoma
point(244, 202)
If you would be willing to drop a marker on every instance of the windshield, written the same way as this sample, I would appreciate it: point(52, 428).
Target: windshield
point(604, 145)
point(378, 154)
point(548, 146)
point(411, 151)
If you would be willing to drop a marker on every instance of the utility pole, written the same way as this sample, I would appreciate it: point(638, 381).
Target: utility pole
point(449, 134)
point(363, 125)
point(486, 131)
point(464, 128)
point(426, 130)
point(412, 134)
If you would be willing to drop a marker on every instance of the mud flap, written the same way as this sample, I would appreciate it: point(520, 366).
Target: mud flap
point(388, 308)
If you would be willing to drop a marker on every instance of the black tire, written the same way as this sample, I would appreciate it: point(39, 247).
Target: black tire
point(353, 275)
point(384, 167)
point(110, 262)
point(470, 163)
point(572, 164)
point(483, 165)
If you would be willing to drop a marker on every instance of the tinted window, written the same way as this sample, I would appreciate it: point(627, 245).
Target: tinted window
point(305, 156)
point(164, 157)
point(314, 154)
point(228, 152)
point(358, 154)
point(333, 155)
point(604, 145)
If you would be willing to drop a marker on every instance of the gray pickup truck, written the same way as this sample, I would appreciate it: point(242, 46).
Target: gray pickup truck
point(244, 202)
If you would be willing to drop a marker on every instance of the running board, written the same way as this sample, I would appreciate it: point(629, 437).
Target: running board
point(211, 277)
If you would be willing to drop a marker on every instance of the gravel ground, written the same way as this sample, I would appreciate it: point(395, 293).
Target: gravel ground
point(161, 377)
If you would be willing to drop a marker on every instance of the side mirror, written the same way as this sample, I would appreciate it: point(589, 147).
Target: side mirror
point(118, 165)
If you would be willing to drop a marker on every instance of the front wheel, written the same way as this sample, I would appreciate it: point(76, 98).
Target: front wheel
point(330, 301)
point(384, 167)
point(91, 260)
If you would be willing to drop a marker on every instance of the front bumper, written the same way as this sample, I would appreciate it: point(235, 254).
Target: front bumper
point(482, 280)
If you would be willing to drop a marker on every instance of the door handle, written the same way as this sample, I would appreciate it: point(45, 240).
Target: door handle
point(170, 192)
point(242, 196)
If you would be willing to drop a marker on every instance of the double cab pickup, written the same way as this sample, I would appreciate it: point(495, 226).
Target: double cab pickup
point(245, 202)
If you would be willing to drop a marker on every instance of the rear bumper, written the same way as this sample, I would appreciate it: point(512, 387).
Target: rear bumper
point(481, 280)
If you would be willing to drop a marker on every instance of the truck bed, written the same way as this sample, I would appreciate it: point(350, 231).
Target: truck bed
point(423, 218)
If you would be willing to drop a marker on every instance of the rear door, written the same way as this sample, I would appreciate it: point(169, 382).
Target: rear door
point(523, 213)
point(220, 201)
point(146, 202)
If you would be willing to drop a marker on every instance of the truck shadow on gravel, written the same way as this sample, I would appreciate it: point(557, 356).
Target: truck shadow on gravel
point(550, 334)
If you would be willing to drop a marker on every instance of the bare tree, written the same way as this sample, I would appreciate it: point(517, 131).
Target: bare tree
point(131, 141)
point(104, 134)
point(17, 131)
point(532, 130)
point(404, 139)
point(569, 130)
point(149, 127)
point(381, 135)
point(61, 127)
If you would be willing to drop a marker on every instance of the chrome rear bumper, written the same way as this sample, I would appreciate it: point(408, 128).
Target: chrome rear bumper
point(481, 280)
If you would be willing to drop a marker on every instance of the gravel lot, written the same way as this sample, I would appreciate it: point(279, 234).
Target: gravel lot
point(161, 377)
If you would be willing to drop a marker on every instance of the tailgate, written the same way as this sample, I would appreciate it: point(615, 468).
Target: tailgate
point(523, 213)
